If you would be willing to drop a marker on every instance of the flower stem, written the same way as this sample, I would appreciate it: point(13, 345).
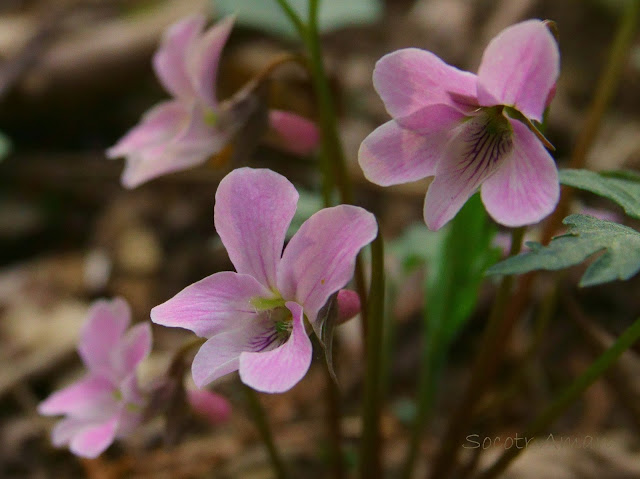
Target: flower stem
point(607, 85)
point(370, 461)
point(481, 373)
point(567, 397)
point(293, 17)
point(260, 420)
point(332, 395)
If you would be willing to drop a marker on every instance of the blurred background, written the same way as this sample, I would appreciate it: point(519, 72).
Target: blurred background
point(75, 75)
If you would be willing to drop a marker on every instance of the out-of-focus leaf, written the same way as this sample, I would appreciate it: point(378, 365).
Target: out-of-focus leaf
point(417, 246)
point(5, 146)
point(267, 15)
point(623, 187)
point(587, 236)
point(453, 280)
point(308, 204)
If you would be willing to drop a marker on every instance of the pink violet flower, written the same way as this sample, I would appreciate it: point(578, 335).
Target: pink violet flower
point(211, 406)
point(107, 402)
point(191, 127)
point(254, 319)
point(469, 131)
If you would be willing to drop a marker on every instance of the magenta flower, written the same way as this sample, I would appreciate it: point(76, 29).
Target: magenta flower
point(469, 131)
point(106, 403)
point(255, 319)
point(188, 129)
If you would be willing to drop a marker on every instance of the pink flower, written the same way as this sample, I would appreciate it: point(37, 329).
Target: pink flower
point(106, 403)
point(191, 127)
point(255, 319)
point(469, 131)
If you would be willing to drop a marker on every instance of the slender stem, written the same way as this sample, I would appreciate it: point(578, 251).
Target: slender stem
point(260, 420)
point(332, 395)
point(481, 373)
point(607, 86)
point(293, 17)
point(370, 461)
point(567, 397)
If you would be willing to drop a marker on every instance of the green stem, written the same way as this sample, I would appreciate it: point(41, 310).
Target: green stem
point(370, 461)
point(293, 17)
point(567, 397)
point(332, 395)
point(260, 420)
point(481, 373)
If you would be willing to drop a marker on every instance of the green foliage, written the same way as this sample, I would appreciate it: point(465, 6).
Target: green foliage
point(587, 236)
point(454, 278)
point(308, 204)
point(623, 187)
point(267, 15)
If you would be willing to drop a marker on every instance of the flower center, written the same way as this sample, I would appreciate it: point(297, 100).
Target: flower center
point(211, 118)
point(488, 139)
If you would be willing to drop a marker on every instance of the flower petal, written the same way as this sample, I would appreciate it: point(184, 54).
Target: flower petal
point(107, 322)
point(252, 214)
point(391, 155)
point(94, 439)
point(215, 304)
point(89, 397)
point(471, 156)
point(157, 126)
point(320, 258)
point(65, 429)
point(410, 79)
point(282, 368)
point(204, 58)
point(134, 347)
point(525, 188)
point(300, 135)
point(191, 145)
point(519, 68)
point(169, 62)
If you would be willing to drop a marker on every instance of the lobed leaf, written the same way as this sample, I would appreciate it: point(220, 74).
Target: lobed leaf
point(623, 187)
point(620, 247)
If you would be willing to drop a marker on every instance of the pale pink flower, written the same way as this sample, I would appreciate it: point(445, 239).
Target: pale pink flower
point(255, 319)
point(107, 402)
point(469, 131)
point(191, 127)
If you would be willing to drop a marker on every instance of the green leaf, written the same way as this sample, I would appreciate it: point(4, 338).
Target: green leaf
point(623, 187)
point(308, 204)
point(454, 279)
point(586, 237)
point(267, 15)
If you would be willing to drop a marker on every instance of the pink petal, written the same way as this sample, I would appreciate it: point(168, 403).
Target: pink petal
point(391, 155)
point(410, 79)
point(432, 119)
point(320, 258)
point(525, 188)
point(65, 429)
point(471, 156)
point(300, 135)
point(95, 439)
point(169, 62)
point(214, 407)
point(158, 126)
point(192, 145)
point(89, 397)
point(135, 346)
point(252, 214)
point(519, 68)
point(220, 354)
point(280, 369)
point(217, 303)
point(107, 322)
point(204, 58)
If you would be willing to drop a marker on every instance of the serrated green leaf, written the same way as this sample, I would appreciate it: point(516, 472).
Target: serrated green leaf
point(266, 15)
point(623, 187)
point(586, 237)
